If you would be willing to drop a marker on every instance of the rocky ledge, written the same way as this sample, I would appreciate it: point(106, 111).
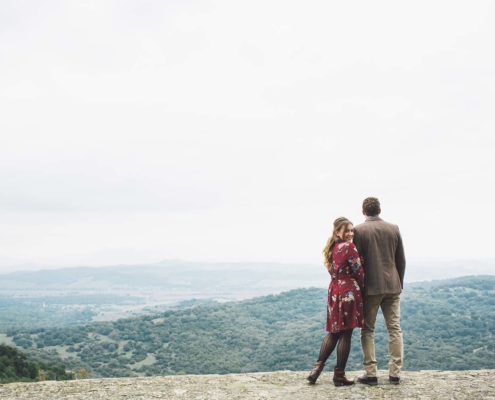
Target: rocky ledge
point(271, 385)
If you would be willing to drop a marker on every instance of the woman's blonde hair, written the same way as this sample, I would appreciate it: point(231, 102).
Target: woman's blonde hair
point(327, 251)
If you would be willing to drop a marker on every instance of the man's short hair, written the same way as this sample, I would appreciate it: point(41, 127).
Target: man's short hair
point(371, 206)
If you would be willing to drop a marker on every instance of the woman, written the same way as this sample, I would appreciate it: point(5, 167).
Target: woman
point(345, 301)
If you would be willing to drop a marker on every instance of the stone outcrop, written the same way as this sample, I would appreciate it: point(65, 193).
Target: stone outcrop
point(272, 385)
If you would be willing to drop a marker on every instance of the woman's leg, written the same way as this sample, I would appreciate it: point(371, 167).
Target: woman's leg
point(344, 348)
point(328, 346)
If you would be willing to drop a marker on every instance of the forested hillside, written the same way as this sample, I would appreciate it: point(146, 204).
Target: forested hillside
point(447, 325)
point(15, 366)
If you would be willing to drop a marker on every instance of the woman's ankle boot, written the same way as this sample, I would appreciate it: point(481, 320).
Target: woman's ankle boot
point(313, 375)
point(339, 378)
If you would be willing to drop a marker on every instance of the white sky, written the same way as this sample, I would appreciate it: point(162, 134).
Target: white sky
point(235, 130)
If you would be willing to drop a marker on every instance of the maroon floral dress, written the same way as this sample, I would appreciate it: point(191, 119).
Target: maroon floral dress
point(345, 300)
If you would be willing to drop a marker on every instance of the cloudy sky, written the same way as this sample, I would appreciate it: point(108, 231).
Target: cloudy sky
point(233, 130)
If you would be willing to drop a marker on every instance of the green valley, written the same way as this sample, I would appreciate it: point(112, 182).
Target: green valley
point(447, 324)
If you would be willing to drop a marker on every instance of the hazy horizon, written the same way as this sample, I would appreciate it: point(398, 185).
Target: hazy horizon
point(306, 273)
point(110, 257)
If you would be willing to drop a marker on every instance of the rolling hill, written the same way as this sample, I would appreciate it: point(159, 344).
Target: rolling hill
point(447, 324)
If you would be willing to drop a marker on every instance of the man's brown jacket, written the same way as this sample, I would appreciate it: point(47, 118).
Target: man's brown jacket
point(380, 244)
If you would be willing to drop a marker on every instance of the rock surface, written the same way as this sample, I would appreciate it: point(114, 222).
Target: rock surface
point(271, 385)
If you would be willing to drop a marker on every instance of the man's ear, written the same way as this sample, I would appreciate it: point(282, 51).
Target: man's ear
point(364, 214)
point(379, 211)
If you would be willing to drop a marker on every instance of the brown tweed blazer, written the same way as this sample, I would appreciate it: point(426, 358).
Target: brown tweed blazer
point(380, 245)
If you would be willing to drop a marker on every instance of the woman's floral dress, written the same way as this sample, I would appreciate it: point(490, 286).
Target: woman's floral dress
point(345, 300)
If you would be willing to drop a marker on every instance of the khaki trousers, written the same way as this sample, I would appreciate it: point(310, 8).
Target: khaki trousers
point(390, 305)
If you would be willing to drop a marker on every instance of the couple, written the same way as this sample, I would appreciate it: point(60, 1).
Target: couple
point(367, 273)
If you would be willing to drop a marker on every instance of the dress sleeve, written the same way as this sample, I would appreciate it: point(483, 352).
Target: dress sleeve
point(354, 261)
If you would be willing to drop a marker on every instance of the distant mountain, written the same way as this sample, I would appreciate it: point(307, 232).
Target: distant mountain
point(214, 277)
point(421, 269)
point(172, 275)
point(449, 326)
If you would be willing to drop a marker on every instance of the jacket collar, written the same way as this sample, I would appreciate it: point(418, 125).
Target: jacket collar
point(370, 219)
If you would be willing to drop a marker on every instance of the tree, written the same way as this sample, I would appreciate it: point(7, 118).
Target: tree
point(83, 374)
point(41, 376)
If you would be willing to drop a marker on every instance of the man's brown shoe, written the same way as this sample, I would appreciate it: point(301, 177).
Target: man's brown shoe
point(395, 380)
point(368, 380)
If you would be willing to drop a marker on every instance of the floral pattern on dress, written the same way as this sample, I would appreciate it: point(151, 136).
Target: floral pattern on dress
point(345, 299)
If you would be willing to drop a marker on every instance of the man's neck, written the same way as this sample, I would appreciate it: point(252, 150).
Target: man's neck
point(368, 217)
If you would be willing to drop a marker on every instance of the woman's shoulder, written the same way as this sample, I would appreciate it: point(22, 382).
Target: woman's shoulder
point(349, 245)
point(352, 247)
point(345, 246)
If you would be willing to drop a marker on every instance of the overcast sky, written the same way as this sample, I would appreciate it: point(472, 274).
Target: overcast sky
point(239, 130)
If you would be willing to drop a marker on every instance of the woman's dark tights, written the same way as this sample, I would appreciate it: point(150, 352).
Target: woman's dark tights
point(343, 338)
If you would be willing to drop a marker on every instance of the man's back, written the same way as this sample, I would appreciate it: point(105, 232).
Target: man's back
point(380, 244)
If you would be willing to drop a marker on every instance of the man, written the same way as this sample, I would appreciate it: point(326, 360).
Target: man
point(380, 245)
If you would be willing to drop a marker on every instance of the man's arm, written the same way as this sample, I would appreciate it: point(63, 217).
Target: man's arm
point(359, 246)
point(400, 259)
point(357, 241)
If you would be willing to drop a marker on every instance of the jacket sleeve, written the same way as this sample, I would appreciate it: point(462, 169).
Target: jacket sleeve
point(357, 240)
point(400, 259)
point(357, 270)
point(359, 246)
